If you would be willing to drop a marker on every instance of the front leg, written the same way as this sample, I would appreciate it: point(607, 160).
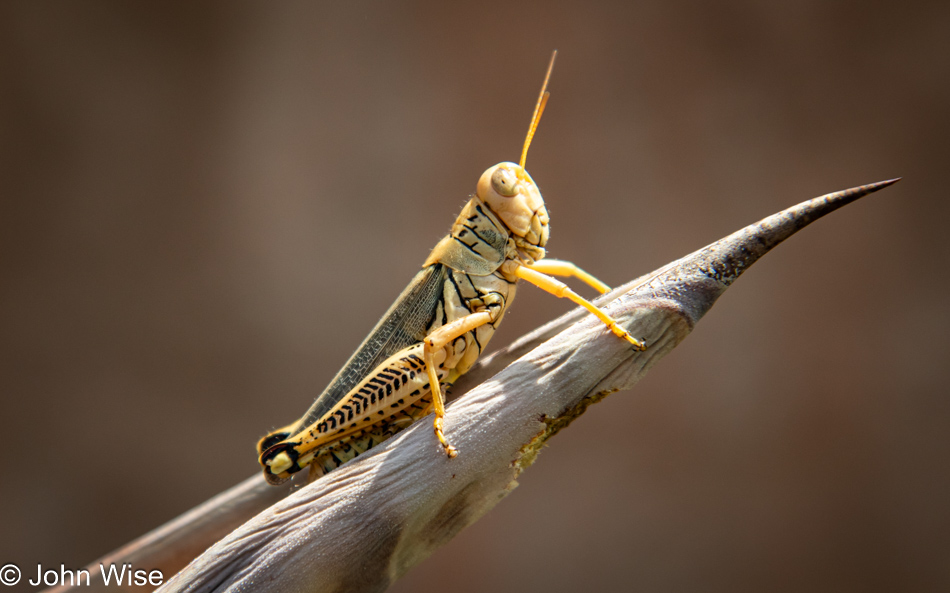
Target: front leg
point(432, 344)
point(557, 267)
point(561, 290)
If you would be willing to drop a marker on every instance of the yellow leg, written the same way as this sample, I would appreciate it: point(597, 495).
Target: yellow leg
point(556, 267)
point(559, 289)
point(435, 341)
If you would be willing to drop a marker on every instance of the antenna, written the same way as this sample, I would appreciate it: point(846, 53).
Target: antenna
point(538, 110)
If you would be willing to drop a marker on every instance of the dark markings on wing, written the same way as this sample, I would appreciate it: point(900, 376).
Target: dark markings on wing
point(403, 325)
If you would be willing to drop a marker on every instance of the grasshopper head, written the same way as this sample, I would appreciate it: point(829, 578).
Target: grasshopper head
point(513, 196)
point(511, 193)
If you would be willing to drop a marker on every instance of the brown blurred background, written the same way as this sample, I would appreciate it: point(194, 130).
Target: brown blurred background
point(205, 207)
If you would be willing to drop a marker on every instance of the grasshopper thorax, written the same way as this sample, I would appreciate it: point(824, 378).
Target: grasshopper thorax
point(513, 196)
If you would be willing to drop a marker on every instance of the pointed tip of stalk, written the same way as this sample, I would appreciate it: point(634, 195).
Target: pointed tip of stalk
point(873, 187)
point(814, 209)
point(846, 196)
point(725, 260)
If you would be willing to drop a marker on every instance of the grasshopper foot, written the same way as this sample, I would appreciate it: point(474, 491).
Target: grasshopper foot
point(639, 345)
point(450, 451)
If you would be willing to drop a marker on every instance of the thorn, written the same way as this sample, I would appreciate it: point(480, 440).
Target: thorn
point(871, 187)
point(853, 193)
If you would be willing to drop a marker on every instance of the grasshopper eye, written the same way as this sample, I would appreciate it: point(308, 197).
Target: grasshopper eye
point(504, 182)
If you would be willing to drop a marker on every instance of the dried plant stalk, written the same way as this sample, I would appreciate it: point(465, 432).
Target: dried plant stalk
point(363, 525)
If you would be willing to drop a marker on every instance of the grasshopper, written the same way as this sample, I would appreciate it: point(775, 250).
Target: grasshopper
point(438, 326)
